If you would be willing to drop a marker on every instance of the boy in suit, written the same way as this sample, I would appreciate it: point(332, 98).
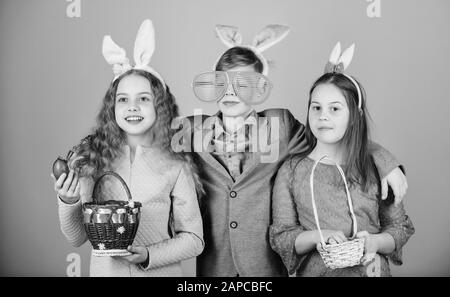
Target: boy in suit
point(239, 152)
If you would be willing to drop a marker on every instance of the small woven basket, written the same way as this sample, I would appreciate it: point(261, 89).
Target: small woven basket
point(338, 255)
point(111, 225)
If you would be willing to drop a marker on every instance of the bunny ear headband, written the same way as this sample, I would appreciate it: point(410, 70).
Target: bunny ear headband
point(144, 47)
point(339, 61)
point(266, 38)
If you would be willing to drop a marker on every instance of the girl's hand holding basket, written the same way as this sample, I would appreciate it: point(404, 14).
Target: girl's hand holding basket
point(370, 246)
point(139, 254)
point(334, 248)
point(333, 236)
point(337, 237)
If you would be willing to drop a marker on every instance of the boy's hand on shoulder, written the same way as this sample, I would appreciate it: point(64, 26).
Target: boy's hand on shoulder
point(397, 180)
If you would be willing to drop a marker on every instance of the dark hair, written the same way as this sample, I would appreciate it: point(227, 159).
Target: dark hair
point(360, 167)
point(99, 149)
point(239, 56)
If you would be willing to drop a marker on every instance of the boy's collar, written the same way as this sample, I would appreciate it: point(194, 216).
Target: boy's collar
point(219, 122)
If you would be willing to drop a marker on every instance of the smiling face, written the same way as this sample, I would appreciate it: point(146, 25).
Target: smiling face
point(230, 105)
point(134, 106)
point(328, 114)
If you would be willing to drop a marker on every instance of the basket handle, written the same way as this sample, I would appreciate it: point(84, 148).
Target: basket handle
point(349, 199)
point(116, 176)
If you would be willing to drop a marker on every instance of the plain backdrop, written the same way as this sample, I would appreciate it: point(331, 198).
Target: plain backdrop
point(53, 78)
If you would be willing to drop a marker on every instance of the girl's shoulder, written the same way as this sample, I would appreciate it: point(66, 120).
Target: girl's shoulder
point(162, 156)
point(182, 165)
point(297, 164)
point(170, 162)
point(298, 160)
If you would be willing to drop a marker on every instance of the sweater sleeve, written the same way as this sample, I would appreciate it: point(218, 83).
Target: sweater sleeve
point(384, 160)
point(295, 131)
point(285, 226)
point(187, 241)
point(395, 221)
point(71, 217)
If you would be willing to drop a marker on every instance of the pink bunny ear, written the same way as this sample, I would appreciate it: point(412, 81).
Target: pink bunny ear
point(270, 35)
point(347, 56)
point(144, 45)
point(229, 35)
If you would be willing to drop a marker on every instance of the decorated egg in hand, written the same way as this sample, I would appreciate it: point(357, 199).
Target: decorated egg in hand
point(59, 167)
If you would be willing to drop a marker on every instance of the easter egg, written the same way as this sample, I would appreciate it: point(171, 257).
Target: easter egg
point(59, 167)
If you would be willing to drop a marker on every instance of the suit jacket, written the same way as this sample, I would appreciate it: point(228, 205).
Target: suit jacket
point(237, 215)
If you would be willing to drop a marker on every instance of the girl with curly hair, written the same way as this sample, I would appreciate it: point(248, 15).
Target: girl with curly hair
point(132, 138)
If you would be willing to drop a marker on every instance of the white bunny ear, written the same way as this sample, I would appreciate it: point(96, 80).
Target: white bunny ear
point(144, 45)
point(269, 36)
point(116, 56)
point(335, 54)
point(229, 35)
point(113, 53)
point(347, 56)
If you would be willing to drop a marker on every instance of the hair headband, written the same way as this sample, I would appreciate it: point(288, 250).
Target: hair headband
point(266, 38)
point(339, 61)
point(144, 47)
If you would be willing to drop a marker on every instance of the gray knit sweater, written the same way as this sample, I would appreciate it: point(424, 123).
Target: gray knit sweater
point(293, 213)
point(162, 185)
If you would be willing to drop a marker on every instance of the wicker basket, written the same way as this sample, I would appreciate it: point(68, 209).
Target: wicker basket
point(339, 255)
point(111, 225)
